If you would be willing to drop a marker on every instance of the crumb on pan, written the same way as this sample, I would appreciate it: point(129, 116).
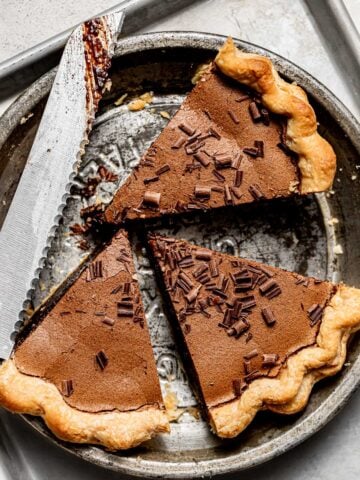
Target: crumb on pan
point(338, 250)
point(165, 114)
point(141, 102)
point(120, 100)
point(199, 72)
point(25, 118)
point(333, 221)
point(171, 404)
point(293, 187)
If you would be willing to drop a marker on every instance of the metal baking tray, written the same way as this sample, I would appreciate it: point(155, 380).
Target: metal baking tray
point(138, 14)
point(298, 234)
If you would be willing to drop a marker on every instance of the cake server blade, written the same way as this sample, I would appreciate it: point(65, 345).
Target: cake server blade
point(59, 143)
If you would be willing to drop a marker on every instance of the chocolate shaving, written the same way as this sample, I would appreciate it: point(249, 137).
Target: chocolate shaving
point(214, 133)
point(268, 316)
point(233, 117)
point(259, 145)
point(151, 179)
point(315, 313)
point(187, 328)
point(247, 367)
point(127, 288)
point(223, 161)
point(67, 388)
point(242, 98)
point(236, 384)
point(270, 288)
point(152, 199)
point(252, 151)
point(265, 116)
point(236, 162)
point(248, 337)
point(238, 178)
point(108, 321)
point(213, 267)
point(202, 192)
point(202, 158)
point(252, 354)
point(94, 270)
point(125, 308)
point(228, 197)
point(184, 282)
point(256, 192)
point(186, 262)
point(236, 193)
point(238, 328)
point(267, 272)
point(248, 302)
point(203, 255)
point(218, 176)
point(269, 360)
point(200, 269)
point(186, 128)
point(163, 169)
point(254, 112)
point(101, 359)
point(179, 143)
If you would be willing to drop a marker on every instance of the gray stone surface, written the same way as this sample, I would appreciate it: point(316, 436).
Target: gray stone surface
point(279, 25)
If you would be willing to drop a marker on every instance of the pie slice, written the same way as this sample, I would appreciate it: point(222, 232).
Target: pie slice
point(241, 135)
point(256, 337)
point(85, 364)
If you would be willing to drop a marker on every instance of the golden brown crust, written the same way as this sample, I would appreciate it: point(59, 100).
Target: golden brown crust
point(289, 392)
point(317, 160)
point(115, 430)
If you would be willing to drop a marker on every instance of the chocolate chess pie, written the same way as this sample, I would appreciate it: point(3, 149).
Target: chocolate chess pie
point(85, 363)
point(241, 135)
point(255, 337)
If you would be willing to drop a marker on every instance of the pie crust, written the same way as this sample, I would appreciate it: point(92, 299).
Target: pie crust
point(289, 392)
point(316, 158)
point(115, 430)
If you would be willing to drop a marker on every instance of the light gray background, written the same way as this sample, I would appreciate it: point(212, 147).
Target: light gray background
point(287, 28)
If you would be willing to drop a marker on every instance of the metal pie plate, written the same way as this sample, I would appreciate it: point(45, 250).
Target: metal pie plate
point(299, 234)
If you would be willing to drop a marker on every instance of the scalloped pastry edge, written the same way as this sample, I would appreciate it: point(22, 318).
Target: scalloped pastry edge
point(316, 157)
point(21, 393)
point(289, 392)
